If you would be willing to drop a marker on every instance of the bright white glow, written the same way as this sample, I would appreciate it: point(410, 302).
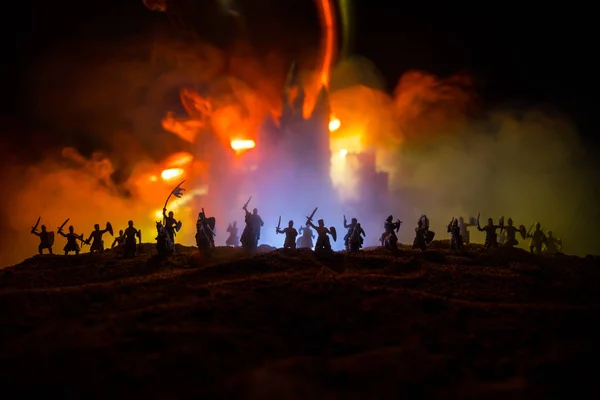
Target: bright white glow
point(172, 173)
point(343, 153)
point(240, 145)
point(334, 124)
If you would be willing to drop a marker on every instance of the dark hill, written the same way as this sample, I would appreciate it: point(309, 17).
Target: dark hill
point(277, 324)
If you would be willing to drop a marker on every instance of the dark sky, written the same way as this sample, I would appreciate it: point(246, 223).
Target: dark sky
point(542, 57)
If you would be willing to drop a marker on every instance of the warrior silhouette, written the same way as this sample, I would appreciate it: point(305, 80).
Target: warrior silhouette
point(423, 236)
point(456, 243)
point(170, 224)
point(553, 244)
point(44, 240)
point(130, 239)
point(305, 241)
point(290, 235)
point(355, 241)
point(72, 238)
point(232, 240)
point(204, 231)
point(464, 231)
point(350, 228)
point(323, 242)
point(491, 238)
point(98, 243)
point(538, 238)
point(251, 234)
point(119, 240)
point(388, 237)
point(511, 234)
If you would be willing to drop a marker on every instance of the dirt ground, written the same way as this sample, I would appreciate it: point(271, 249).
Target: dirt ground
point(291, 325)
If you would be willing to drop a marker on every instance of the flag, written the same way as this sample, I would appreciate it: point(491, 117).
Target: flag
point(178, 192)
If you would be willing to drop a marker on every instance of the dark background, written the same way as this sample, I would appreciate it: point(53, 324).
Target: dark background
point(520, 53)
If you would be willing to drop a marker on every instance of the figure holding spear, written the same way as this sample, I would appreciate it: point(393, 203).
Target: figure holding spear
point(170, 223)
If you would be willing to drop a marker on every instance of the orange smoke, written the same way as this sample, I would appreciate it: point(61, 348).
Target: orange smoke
point(326, 14)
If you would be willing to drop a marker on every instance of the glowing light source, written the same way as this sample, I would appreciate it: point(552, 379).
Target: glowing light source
point(153, 178)
point(172, 173)
point(334, 124)
point(343, 153)
point(241, 145)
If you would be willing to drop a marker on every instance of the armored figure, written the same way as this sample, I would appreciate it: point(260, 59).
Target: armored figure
point(232, 240)
point(72, 239)
point(205, 234)
point(164, 244)
point(553, 244)
point(389, 240)
point(464, 231)
point(171, 224)
point(511, 232)
point(290, 235)
point(491, 238)
point(46, 238)
point(119, 240)
point(251, 233)
point(456, 242)
point(98, 243)
point(356, 238)
point(323, 242)
point(423, 236)
point(130, 239)
point(305, 240)
point(350, 228)
point(538, 239)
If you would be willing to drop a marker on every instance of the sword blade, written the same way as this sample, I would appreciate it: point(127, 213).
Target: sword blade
point(33, 228)
point(64, 223)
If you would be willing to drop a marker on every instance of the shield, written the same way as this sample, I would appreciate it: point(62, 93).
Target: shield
point(178, 226)
point(523, 231)
point(109, 228)
point(50, 239)
point(211, 223)
point(139, 235)
point(333, 233)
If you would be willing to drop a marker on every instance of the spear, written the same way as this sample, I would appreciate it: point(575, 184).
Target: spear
point(177, 192)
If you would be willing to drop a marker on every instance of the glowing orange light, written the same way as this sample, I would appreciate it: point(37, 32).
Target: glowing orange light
point(241, 145)
point(179, 160)
point(153, 178)
point(172, 173)
point(328, 22)
point(334, 124)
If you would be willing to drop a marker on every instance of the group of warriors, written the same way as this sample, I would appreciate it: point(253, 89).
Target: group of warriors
point(126, 241)
point(353, 240)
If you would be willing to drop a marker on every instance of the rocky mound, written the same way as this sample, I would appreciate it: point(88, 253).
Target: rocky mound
point(281, 324)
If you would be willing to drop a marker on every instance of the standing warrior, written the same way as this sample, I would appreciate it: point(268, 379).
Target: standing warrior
point(456, 242)
point(72, 238)
point(464, 231)
point(355, 241)
point(538, 238)
point(98, 243)
point(119, 240)
point(171, 225)
point(232, 240)
point(130, 242)
point(323, 242)
point(491, 238)
point(205, 234)
point(254, 222)
point(423, 236)
point(389, 240)
point(290, 234)
point(511, 232)
point(305, 241)
point(553, 244)
point(350, 228)
point(46, 238)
